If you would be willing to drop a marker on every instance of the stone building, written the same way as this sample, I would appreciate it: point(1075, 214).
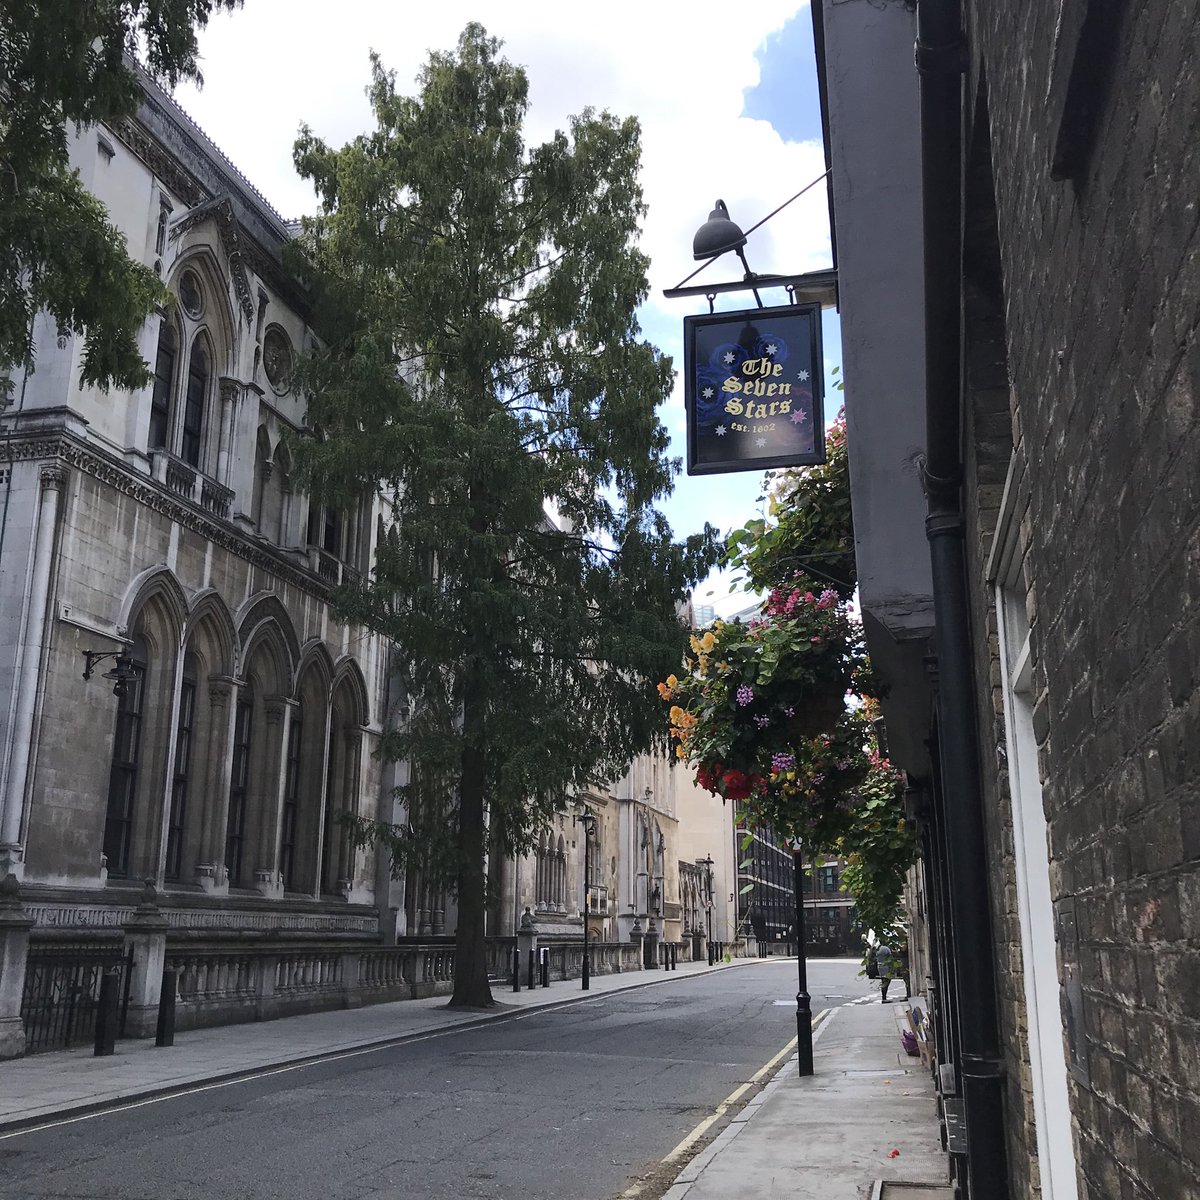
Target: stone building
point(163, 525)
point(1019, 284)
point(154, 542)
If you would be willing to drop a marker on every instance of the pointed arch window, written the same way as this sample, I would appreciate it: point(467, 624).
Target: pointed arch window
point(164, 382)
point(181, 777)
point(194, 400)
point(239, 783)
point(291, 797)
point(123, 775)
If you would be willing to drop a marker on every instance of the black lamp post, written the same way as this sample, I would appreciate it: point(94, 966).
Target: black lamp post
point(803, 999)
point(708, 906)
point(587, 819)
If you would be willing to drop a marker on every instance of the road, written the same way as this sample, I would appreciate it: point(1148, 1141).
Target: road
point(568, 1104)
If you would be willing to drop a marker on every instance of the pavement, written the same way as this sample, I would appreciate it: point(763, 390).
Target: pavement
point(862, 1127)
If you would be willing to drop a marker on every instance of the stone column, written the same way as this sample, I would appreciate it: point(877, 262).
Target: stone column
point(229, 394)
point(146, 936)
point(274, 781)
point(210, 869)
point(15, 924)
point(28, 673)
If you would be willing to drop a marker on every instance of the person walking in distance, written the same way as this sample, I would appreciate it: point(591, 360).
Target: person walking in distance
point(885, 960)
point(902, 968)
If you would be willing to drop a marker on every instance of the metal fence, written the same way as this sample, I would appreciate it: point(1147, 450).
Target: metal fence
point(62, 991)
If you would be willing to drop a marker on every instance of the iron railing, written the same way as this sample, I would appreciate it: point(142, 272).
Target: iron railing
point(62, 991)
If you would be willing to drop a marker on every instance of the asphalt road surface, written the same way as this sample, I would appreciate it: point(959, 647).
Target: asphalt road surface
point(569, 1104)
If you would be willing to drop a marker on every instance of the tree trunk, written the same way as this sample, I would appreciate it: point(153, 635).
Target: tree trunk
point(471, 988)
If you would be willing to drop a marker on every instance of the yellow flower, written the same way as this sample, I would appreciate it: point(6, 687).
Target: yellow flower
point(672, 682)
point(704, 664)
point(695, 642)
point(707, 642)
point(665, 692)
point(677, 715)
point(679, 751)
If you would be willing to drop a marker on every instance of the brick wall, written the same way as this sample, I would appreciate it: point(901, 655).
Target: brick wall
point(1102, 305)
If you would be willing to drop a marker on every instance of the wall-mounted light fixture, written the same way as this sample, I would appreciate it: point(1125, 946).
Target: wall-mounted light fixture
point(123, 671)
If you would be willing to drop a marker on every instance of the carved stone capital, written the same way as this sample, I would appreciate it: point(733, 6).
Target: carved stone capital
point(229, 389)
point(53, 476)
point(220, 690)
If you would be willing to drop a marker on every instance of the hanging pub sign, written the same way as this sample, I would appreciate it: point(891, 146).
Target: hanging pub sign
point(752, 389)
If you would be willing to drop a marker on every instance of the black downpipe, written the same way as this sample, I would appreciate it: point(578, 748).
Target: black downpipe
point(941, 57)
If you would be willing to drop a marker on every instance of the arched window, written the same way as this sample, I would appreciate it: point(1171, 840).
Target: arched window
point(291, 798)
point(164, 382)
point(194, 400)
point(239, 783)
point(182, 769)
point(126, 760)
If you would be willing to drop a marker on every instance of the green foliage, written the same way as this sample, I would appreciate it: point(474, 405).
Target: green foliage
point(481, 367)
point(63, 63)
point(880, 846)
point(812, 533)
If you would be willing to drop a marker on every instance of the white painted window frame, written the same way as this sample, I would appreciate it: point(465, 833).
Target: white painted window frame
point(1035, 904)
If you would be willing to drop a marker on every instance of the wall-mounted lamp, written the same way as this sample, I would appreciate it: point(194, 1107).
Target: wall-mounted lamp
point(123, 671)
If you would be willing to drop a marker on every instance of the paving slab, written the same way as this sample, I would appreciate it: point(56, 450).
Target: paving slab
point(866, 1117)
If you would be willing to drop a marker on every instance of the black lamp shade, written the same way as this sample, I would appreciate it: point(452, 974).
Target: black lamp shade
point(717, 235)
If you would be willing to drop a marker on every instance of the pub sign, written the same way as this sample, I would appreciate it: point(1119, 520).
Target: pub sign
point(752, 389)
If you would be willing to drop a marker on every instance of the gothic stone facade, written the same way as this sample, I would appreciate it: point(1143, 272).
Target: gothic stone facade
point(163, 524)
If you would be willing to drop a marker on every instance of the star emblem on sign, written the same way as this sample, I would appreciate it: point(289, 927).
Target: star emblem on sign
point(720, 431)
point(707, 393)
point(760, 442)
point(798, 417)
point(727, 357)
point(803, 376)
point(771, 349)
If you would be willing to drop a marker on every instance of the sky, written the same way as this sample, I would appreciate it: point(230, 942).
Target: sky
point(726, 97)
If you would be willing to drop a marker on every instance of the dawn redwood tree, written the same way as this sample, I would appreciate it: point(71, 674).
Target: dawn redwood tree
point(481, 368)
point(62, 64)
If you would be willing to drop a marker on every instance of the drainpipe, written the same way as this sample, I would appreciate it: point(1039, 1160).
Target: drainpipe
point(941, 62)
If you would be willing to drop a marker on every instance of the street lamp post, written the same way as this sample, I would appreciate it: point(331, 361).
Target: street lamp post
point(708, 906)
point(587, 819)
point(803, 999)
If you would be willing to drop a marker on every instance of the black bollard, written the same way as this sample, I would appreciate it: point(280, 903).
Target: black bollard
point(108, 1013)
point(529, 983)
point(545, 966)
point(516, 969)
point(165, 1033)
point(674, 957)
